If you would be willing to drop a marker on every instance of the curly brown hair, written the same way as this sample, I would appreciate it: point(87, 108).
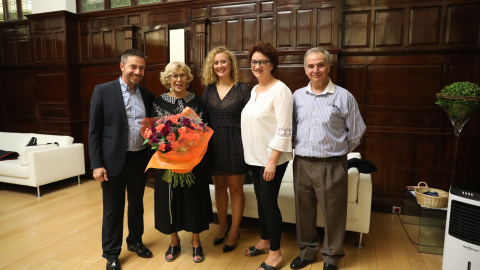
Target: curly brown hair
point(209, 75)
point(173, 67)
point(265, 48)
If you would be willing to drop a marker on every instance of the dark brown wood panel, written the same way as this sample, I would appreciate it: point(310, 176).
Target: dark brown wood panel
point(216, 34)
point(156, 45)
point(233, 35)
point(305, 25)
point(249, 27)
point(232, 10)
point(389, 28)
point(463, 24)
point(356, 29)
point(325, 27)
point(284, 25)
point(404, 85)
point(267, 29)
point(425, 26)
point(45, 85)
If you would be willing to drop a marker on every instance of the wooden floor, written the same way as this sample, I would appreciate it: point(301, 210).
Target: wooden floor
point(62, 230)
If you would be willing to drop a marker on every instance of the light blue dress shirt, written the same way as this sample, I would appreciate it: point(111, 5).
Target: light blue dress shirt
point(135, 113)
point(326, 125)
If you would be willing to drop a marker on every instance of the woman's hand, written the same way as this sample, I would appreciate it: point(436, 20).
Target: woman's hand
point(271, 166)
point(269, 172)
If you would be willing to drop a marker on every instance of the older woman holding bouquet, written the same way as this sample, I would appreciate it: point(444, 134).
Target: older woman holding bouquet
point(267, 142)
point(224, 98)
point(179, 208)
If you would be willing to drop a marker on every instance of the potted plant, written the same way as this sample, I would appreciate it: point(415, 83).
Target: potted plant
point(459, 100)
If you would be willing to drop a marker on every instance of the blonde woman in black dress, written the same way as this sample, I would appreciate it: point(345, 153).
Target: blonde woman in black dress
point(224, 98)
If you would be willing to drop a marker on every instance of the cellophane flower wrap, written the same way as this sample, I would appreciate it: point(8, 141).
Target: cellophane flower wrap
point(180, 142)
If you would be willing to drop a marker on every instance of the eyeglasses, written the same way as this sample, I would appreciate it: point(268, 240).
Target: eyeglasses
point(261, 62)
point(175, 76)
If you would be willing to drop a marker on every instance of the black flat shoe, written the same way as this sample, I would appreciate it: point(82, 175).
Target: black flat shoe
point(140, 249)
point(253, 251)
point(227, 248)
point(218, 241)
point(299, 263)
point(173, 251)
point(327, 266)
point(113, 264)
point(198, 251)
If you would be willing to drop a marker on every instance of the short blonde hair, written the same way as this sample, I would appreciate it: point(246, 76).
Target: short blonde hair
point(209, 75)
point(173, 67)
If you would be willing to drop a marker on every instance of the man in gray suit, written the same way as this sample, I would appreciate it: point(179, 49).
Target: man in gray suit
point(118, 157)
point(327, 125)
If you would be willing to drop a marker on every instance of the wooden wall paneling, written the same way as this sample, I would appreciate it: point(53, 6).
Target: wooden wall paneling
point(233, 35)
point(216, 34)
point(305, 28)
point(108, 41)
point(267, 30)
point(155, 42)
point(389, 28)
point(16, 46)
point(249, 33)
point(326, 27)
point(356, 29)
point(400, 164)
point(284, 24)
point(52, 88)
point(463, 24)
point(425, 26)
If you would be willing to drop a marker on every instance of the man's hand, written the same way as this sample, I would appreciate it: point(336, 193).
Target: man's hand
point(100, 174)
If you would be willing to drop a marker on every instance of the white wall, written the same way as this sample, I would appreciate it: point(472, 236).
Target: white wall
point(41, 6)
point(177, 45)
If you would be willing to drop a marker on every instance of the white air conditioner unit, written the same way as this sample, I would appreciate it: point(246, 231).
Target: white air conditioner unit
point(461, 250)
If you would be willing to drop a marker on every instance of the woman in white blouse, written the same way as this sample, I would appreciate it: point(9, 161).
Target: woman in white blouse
point(267, 142)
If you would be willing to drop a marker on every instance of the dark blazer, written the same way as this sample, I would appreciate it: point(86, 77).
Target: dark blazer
point(108, 128)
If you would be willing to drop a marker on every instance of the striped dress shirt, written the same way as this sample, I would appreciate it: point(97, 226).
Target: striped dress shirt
point(326, 125)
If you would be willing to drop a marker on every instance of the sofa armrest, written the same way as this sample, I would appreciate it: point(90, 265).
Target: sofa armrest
point(364, 202)
point(27, 149)
point(49, 165)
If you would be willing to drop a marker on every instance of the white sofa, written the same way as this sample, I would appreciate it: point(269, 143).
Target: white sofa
point(358, 208)
point(42, 164)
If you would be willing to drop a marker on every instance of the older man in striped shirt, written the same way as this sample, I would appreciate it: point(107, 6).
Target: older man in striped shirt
point(327, 125)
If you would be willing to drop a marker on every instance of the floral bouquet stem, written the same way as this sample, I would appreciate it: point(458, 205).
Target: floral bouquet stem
point(178, 178)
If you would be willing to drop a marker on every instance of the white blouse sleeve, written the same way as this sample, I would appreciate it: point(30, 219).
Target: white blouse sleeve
point(283, 106)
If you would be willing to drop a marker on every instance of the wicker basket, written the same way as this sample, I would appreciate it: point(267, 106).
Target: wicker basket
point(431, 201)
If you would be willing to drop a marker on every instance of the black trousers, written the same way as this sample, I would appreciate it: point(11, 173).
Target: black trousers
point(132, 179)
point(269, 214)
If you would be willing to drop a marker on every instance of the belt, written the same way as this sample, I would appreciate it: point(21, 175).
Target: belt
point(328, 159)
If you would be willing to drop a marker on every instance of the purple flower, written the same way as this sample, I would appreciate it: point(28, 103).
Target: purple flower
point(168, 148)
point(166, 130)
point(185, 121)
point(168, 123)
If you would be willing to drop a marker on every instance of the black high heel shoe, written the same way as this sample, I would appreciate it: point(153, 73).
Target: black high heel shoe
point(198, 251)
point(227, 248)
point(173, 251)
point(218, 241)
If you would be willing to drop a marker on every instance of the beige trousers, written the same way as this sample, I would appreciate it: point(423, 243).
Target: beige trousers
point(322, 182)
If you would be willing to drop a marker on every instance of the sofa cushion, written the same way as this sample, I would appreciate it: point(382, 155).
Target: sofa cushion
point(353, 178)
point(27, 149)
point(14, 141)
point(12, 168)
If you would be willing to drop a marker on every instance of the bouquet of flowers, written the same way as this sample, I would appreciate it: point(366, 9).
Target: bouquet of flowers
point(180, 142)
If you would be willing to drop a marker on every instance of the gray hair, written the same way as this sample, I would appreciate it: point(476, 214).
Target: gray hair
point(317, 50)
